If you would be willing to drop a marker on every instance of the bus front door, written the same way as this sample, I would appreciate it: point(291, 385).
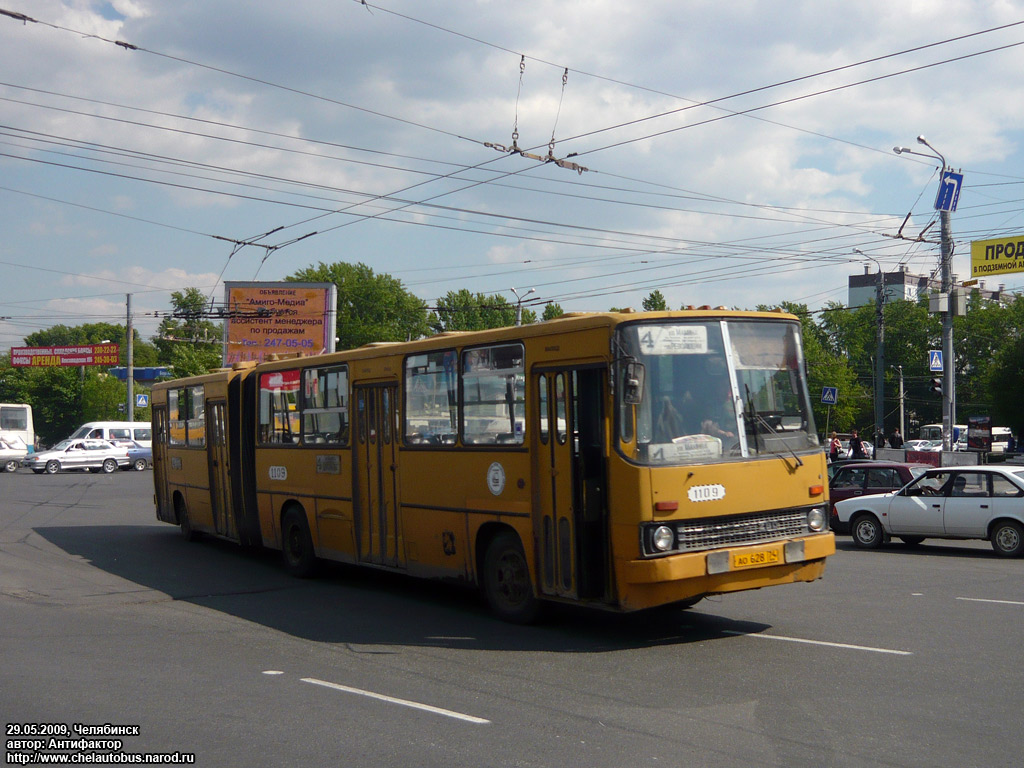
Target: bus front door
point(570, 471)
point(220, 467)
point(375, 474)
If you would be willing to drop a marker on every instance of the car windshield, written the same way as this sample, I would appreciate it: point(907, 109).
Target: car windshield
point(62, 445)
point(714, 390)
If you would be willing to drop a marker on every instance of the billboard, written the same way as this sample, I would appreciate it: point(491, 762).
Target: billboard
point(278, 318)
point(997, 257)
point(86, 354)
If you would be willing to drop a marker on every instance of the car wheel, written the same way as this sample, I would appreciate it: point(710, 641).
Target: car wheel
point(506, 581)
point(139, 465)
point(52, 467)
point(866, 531)
point(109, 465)
point(297, 544)
point(186, 525)
point(1008, 538)
point(10, 465)
point(911, 541)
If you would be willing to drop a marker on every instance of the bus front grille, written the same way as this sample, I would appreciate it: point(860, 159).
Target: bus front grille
point(715, 532)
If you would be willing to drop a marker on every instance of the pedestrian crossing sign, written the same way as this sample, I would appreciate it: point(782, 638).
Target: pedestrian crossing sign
point(935, 360)
point(829, 395)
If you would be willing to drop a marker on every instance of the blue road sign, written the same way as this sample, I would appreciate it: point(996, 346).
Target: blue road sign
point(949, 191)
point(142, 401)
point(829, 395)
point(935, 360)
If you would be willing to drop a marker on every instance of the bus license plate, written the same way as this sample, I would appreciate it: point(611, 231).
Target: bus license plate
point(756, 559)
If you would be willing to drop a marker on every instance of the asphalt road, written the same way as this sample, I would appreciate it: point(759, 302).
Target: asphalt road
point(900, 657)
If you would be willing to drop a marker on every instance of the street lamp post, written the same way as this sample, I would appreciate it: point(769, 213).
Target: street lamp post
point(946, 264)
point(519, 303)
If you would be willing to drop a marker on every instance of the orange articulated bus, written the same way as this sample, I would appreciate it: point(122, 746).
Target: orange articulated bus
point(619, 460)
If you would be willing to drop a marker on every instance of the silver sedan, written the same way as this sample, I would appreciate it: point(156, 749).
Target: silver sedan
point(92, 455)
point(976, 502)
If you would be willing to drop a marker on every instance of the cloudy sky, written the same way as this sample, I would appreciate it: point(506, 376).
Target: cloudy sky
point(737, 152)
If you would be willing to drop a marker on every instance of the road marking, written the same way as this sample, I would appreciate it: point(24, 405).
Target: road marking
point(820, 642)
point(982, 600)
point(402, 702)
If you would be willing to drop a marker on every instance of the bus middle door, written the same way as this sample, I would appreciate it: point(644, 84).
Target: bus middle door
point(220, 467)
point(375, 474)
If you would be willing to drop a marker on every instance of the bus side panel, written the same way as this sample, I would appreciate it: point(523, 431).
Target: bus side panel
point(195, 467)
point(449, 495)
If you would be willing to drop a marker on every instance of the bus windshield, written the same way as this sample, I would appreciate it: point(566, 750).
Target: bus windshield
point(714, 391)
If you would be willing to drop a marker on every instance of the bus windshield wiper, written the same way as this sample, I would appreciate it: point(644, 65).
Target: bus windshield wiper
point(758, 419)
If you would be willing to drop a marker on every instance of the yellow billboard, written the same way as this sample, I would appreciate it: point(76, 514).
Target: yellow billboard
point(278, 318)
point(997, 257)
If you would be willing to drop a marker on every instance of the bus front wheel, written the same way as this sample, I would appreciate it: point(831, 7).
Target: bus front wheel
point(506, 581)
point(297, 544)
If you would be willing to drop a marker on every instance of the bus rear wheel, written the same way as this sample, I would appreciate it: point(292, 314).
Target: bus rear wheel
point(506, 581)
point(297, 544)
point(187, 532)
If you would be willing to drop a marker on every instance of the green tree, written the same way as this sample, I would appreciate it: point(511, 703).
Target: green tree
point(551, 311)
point(825, 368)
point(465, 311)
point(655, 302)
point(371, 307)
point(188, 341)
point(1005, 386)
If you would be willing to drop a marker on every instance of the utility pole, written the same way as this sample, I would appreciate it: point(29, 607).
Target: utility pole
point(519, 303)
point(903, 430)
point(945, 204)
point(880, 357)
point(129, 406)
point(948, 370)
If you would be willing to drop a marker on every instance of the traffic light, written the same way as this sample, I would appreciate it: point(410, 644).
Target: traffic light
point(936, 385)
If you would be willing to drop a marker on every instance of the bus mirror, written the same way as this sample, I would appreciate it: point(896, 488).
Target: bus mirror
point(633, 383)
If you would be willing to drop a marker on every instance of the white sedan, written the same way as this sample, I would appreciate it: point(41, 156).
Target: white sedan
point(979, 502)
point(93, 455)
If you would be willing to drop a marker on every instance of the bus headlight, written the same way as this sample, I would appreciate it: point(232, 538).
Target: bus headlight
point(816, 519)
point(662, 538)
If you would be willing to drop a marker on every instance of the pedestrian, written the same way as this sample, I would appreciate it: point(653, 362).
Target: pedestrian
point(896, 439)
point(857, 446)
point(835, 445)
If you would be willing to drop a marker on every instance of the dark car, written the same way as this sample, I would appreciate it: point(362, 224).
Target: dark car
point(141, 456)
point(868, 478)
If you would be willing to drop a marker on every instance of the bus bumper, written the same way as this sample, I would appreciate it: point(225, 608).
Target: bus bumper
point(670, 579)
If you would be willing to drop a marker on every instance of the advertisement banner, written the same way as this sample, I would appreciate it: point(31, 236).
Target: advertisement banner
point(48, 357)
point(278, 318)
point(997, 257)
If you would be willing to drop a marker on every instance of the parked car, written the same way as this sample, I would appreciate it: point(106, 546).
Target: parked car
point(834, 466)
point(972, 502)
point(93, 455)
point(140, 456)
point(868, 478)
point(914, 445)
